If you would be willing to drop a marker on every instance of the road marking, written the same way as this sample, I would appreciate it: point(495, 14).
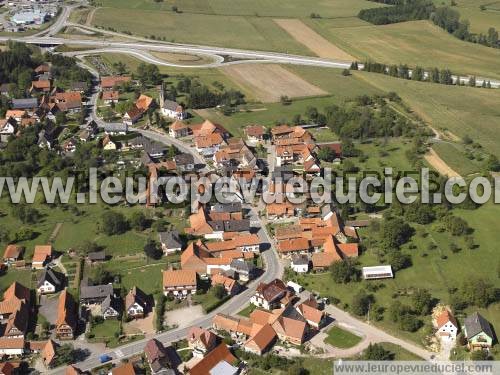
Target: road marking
point(119, 353)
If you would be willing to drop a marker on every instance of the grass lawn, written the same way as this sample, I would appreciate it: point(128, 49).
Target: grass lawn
point(341, 338)
point(456, 159)
point(23, 277)
point(105, 331)
point(399, 353)
point(247, 310)
point(414, 43)
point(459, 110)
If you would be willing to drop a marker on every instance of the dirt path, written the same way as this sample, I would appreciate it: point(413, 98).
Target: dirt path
point(90, 17)
point(439, 164)
point(55, 232)
point(312, 40)
point(269, 82)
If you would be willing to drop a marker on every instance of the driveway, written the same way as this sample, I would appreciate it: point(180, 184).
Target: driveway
point(184, 316)
point(48, 307)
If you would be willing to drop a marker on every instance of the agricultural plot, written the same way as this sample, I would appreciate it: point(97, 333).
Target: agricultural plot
point(312, 40)
point(269, 82)
point(414, 43)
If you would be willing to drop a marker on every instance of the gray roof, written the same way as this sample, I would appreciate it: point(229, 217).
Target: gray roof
point(475, 324)
point(230, 225)
point(115, 127)
point(53, 277)
point(300, 260)
point(227, 207)
point(24, 103)
point(97, 255)
point(110, 301)
point(170, 239)
point(183, 159)
point(96, 291)
point(170, 105)
point(239, 265)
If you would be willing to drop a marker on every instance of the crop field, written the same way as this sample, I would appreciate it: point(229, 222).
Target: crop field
point(269, 82)
point(264, 8)
point(460, 110)
point(413, 43)
point(258, 33)
point(315, 42)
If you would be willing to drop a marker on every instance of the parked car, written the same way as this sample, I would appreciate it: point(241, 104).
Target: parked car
point(105, 358)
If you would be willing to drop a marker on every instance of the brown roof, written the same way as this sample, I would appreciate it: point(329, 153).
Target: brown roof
point(310, 313)
point(226, 282)
point(15, 343)
point(109, 82)
point(126, 369)
point(322, 260)
point(282, 129)
point(208, 140)
point(178, 125)
point(444, 318)
point(12, 251)
point(154, 350)
point(136, 295)
point(232, 324)
point(262, 317)
point(49, 352)
point(14, 297)
point(192, 258)
point(110, 95)
point(272, 290)
point(292, 328)
point(219, 354)
point(42, 84)
point(173, 278)
point(296, 244)
point(263, 338)
point(255, 130)
point(6, 368)
point(204, 336)
point(66, 314)
point(348, 249)
point(144, 102)
point(72, 370)
point(42, 252)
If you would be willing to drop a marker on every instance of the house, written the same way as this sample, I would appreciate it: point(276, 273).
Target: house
point(201, 341)
point(170, 242)
point(179, 283)
point(81, 87)
point(184, 162)
point(112, 82)
point(72, 370)
point(137, 303)
point(110, 307)
point(261, 341)
point(178, 130)
point(208, 145)
point(246, 271)
point(12, 254)
point(40, 86)
point(96, 257)
point(294, 246)
point(67, 101)
point(115, 128)
point(8, 128)
point(300, 264)
point(17, 322)
point(49, 353)
point(46, 139)
point(50, 281)
point(219, 361)
point(280, 210)
point(124, 369)
point(12, 346)
point(41, 256)
point(67, 318)
point(447, 326)
point(29, 105)
point(142, 104)
point(69, 145)
point(110, 97)
point(478, 332)
point(255, 133)
point(230, 285)
point(172, 109)
point(108, 144)
point(273, 295)
point(157, 357)
point(290, 330)
point(94, 294)
point(310, 312)
point(14, 298)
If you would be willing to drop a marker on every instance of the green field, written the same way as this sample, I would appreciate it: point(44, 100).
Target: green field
point(340, 338)
point(459, 110)
point(264, 8)
point(455, 157)
point(480, 20)
point(399, 353)
point(414, 43)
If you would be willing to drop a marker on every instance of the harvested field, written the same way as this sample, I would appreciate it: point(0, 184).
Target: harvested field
point(269, 82)
point(439, 164)
point(312, 40)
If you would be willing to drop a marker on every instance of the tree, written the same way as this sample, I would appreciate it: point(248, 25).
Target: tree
point(456, 225)
point(478, 292)
point(218, 291)
point(87, 247)
point(61, 118)
point(408, 322)
point(360, 303)
point(398, 260)
point(152, 250)
point(326, 154)
point(113, 223)
point(472, 81)
point(376, 352)
point(396, 310)
point(138, 221)
point(394, 233)
point(344, 271)
point(422, 301)
point(346, 72)
point(100, 275)
point(65, 355)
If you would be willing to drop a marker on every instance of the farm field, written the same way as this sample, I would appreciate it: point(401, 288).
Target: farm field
point(480, 20)
point(257, 78)
point(315, 42)
point(403, 43)
point(257, 33)
point(459, 110)
point(264, 8)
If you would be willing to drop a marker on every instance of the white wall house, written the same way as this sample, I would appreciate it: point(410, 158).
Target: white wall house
point(447, 327)
point(46, 288)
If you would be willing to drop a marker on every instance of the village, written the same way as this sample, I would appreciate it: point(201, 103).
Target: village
point(241, 254)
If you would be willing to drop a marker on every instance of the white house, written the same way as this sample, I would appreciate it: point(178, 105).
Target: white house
point(170, 108)
point(377, 272)
point(297, 288)
point(136, 303)
point(300, 264)
point(50, 281)
point(447, 327)
point(7, 128)
point(12, 346)
point(170, 242)
point(109, 308)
